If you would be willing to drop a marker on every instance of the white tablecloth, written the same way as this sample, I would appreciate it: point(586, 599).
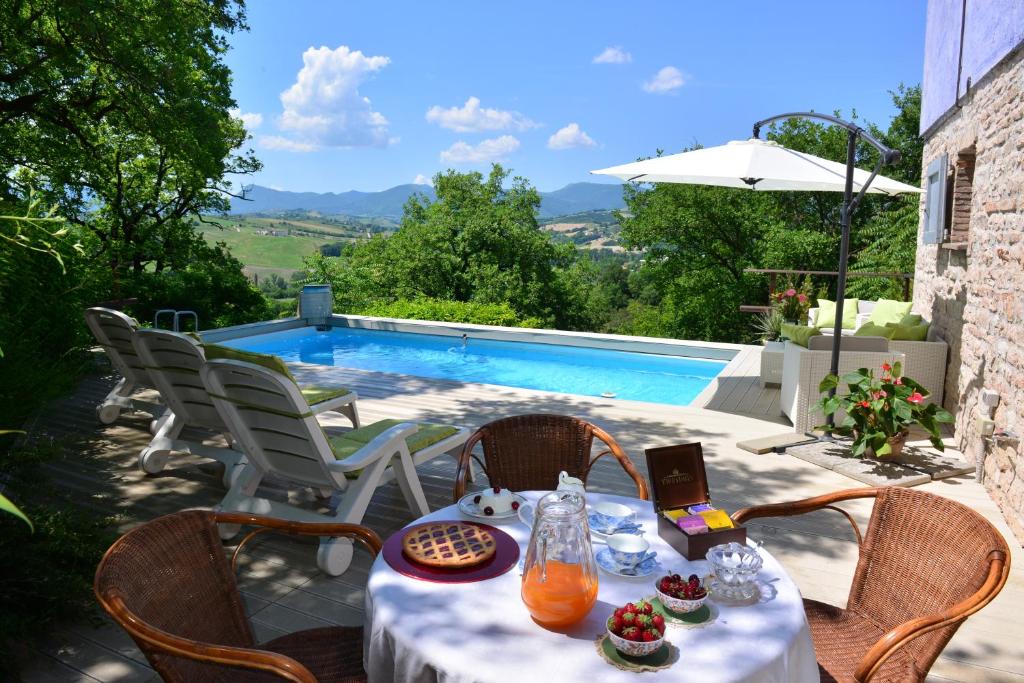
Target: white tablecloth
point(422, 631)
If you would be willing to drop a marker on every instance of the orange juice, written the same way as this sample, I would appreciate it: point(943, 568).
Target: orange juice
point(564, 598)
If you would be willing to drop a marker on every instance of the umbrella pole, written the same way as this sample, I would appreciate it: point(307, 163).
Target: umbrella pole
point(844, 256)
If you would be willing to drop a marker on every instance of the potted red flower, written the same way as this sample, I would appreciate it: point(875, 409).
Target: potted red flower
point(880, 410)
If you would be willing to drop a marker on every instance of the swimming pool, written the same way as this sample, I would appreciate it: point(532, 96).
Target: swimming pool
point(657, 378)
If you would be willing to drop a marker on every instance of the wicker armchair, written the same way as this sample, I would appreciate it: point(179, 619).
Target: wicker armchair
point(926, 564)
point(528, 451)
point(170, 585)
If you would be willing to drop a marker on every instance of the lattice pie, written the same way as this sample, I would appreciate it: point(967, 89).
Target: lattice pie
point(448, 544)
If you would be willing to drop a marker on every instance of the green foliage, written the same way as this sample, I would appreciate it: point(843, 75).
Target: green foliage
point(879, 408)
point(48, 571)
point(479, 242)
point(769, 325)
point(451, 312)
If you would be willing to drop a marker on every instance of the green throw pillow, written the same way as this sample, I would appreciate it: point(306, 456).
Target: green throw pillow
point(799, 334)
point(909, 332)
point(273, 363)
point(827, 314)
point(889, 311)
point(872, 330)
point(911, 319)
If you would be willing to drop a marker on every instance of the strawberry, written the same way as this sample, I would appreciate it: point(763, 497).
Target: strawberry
point(616, 624)
point(619, 612)
point(650, 636)
point(630, 607)
point(629, 618)
point(658, 622)
point(642, 621)
point(631, 633)
point(644, 607)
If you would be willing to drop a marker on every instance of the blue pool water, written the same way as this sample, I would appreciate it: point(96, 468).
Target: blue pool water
point(566, 369)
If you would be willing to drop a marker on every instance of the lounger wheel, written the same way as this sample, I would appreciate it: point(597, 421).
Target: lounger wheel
point(334, 555)
point(108, 413)
point(152, 461)
point(232, 473)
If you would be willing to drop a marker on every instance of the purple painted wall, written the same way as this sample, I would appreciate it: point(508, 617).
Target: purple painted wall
point(991, 30)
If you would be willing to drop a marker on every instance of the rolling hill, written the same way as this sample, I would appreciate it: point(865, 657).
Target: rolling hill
point(571, 199)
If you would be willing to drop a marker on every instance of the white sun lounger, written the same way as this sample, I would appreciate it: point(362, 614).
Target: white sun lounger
point(274, 425)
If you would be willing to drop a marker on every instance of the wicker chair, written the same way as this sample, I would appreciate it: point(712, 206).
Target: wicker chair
point(926, 564)
point(170, 585)
point(528, 451)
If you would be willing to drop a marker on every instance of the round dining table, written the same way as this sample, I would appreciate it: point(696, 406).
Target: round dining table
point(418, 630)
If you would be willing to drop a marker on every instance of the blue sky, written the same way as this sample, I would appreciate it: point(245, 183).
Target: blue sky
point(342, 95)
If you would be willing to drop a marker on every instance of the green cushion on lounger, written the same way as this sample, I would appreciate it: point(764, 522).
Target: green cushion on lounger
point(316, 394)
point(346, 445)
point(799, 334)
point(889, 311)
point(870, 329)
point(827, 314)
point(911, 319)
point(272, 363)
point(909, 332)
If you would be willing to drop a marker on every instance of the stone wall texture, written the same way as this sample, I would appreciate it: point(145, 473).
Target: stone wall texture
point(973, 291)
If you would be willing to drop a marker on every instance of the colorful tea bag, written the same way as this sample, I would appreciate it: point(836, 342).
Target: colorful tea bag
point(717, 519)
point(674, 514)
point(692, 525)
point(701, 507)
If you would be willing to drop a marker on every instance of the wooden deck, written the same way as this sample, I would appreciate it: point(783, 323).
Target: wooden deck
point(284, 591)
point(738, 390)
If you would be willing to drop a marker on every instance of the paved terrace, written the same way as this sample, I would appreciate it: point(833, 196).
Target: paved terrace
point(284, 591)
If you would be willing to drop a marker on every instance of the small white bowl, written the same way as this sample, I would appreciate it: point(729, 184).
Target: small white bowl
point(635, 648)
point(679, 605)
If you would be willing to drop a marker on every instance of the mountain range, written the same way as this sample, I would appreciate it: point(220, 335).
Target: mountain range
point(573, 198)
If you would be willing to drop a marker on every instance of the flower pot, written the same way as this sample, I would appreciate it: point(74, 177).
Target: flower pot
point(896, 443)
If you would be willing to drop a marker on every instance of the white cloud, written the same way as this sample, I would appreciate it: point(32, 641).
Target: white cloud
point(324, 108)
point(251, 120)
point(613, 55)
point(285, 144)
point(488, 150)
point(421, 179)
point(667, 80)
point(472, 118)
point(569, 137)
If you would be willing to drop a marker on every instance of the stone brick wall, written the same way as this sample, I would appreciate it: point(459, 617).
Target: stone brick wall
point(972, 287)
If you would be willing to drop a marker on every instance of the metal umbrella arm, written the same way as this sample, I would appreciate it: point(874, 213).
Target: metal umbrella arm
point(886, 155)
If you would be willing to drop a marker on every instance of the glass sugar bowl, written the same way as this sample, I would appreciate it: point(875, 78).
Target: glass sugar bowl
point(735, 567)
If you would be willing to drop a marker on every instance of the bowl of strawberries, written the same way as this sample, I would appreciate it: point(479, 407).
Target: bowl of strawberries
point(635, 630)
point(681, 595)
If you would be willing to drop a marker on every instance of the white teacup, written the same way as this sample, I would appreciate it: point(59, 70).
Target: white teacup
point(607, 517)
point(627, 550)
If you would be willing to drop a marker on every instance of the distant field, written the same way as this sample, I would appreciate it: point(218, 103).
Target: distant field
point(266, 253)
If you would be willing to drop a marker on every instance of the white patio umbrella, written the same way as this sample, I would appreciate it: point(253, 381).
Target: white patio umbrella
point(757, 164)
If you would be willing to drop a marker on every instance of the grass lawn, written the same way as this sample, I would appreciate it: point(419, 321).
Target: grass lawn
point(269, 252)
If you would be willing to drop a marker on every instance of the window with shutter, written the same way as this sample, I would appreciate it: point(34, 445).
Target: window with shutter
point(935, 201)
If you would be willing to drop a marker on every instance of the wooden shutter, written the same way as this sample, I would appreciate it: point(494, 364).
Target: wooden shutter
point(935, 201)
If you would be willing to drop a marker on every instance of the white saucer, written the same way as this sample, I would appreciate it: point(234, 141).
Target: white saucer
point(645, 568)
point(467, 506)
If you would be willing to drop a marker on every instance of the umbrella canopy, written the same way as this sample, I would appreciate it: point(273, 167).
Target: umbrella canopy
point(753, 164)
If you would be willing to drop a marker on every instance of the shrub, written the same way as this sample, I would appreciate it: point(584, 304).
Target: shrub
point(47, 572)
point(451, 312)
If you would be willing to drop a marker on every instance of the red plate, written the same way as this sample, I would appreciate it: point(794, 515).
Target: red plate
point(504, 558)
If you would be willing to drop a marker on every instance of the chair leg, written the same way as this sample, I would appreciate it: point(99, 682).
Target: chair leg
point(352, 413)
point(154, 457)
point(115, 401)
point(241, 497)
point(409, 482)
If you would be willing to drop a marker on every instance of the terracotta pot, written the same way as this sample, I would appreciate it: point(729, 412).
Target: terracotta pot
point(896, 442)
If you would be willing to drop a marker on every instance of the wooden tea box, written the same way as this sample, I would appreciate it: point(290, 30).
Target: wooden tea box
point(679, 480)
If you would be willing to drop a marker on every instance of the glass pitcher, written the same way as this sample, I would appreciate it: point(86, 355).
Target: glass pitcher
point(559, 573)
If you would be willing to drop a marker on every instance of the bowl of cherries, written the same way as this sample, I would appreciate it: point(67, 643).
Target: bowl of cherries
point(635, 630)
point(681, 595)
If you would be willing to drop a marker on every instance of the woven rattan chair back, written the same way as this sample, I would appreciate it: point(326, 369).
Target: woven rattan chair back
point(527, 452)
point(921, 555)
point(172, 574)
